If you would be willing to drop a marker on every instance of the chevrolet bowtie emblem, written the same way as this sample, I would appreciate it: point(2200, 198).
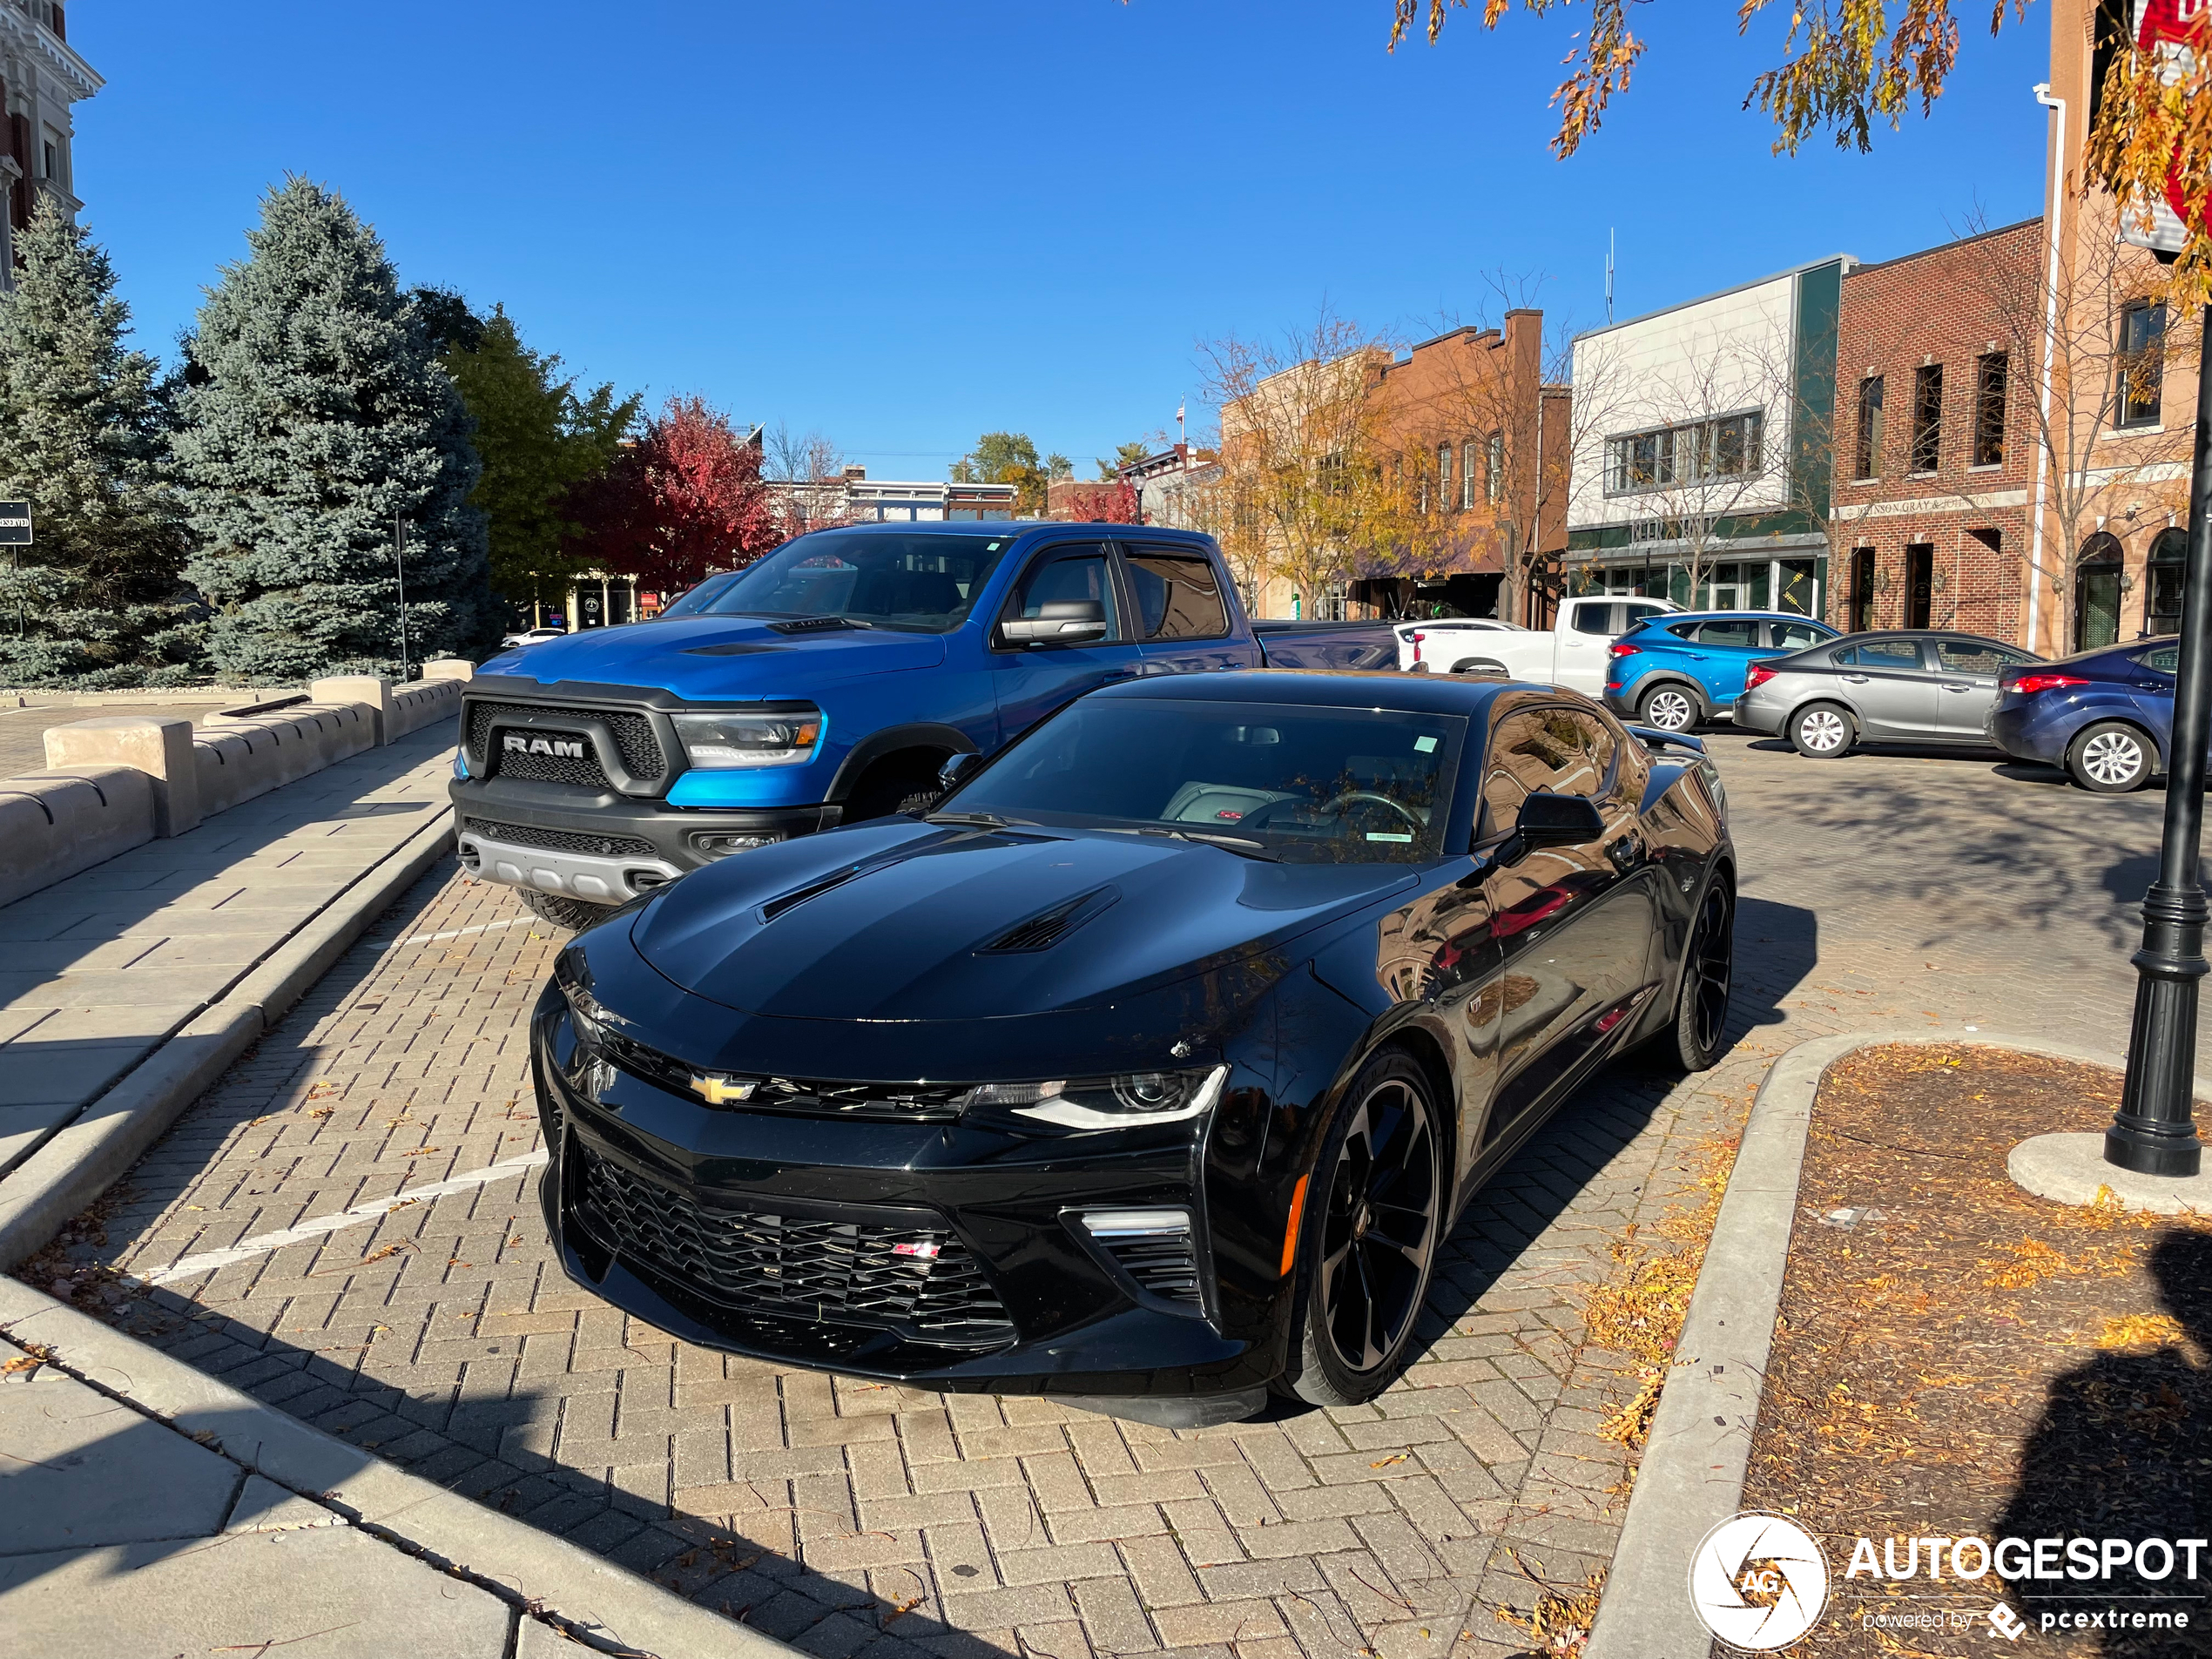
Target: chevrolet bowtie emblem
point(719, 1090)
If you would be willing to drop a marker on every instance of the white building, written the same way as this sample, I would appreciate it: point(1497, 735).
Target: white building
point(1700, 445)
point(41, 78)
point(853, 497)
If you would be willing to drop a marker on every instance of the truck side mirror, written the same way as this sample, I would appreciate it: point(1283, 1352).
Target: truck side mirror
point(1058, 622)
point(954, 769)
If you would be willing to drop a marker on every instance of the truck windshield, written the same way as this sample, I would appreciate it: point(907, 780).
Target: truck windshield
point(920, 583)
point(1300, 784)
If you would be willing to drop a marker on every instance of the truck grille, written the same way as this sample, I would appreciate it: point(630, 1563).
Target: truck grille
point(633, 733)
point(859, 1272)
point(553, 840)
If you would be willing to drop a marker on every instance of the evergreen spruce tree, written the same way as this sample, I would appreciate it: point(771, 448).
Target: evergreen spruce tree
point(314, 414)
point(100, 599)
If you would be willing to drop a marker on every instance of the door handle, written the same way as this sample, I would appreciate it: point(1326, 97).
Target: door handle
point(1114, 674)
point(1857, 680)
point(1625, 853)
point(1949, 687)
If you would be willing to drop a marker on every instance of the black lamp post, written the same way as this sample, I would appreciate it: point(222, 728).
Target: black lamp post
point(2154, 1132)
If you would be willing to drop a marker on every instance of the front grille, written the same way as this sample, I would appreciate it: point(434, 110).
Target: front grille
point(555, 841)
point(912, 1103)
point(1155, 1249)
point(633, 733)
point(847, 1272)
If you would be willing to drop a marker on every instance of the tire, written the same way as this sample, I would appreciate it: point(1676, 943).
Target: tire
point(1670, 707)
point(1823, 732)
point(885, 787)
point(575, 914)
point(1708, 981)
point(1388, 1138)
point(2111, 758)
point(922, 801)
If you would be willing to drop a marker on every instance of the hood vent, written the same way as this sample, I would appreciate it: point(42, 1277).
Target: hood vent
point(1043, 932)
point(782, 902)
point(815, 626)
point(730, 648)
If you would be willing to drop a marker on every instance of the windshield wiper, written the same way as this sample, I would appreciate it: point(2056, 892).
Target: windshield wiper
point(1243, 845)
point(980, 821)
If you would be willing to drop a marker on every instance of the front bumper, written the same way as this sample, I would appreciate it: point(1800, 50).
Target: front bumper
point(779, 1236)
point(602, 848)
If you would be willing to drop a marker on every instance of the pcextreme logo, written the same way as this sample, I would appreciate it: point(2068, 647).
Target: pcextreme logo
point(1759, 1581)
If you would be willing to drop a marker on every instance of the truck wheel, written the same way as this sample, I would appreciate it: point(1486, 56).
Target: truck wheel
point(2111, 758)
point(921, 801)
point(575, 914)
point(1668, 708)
point(887, 785)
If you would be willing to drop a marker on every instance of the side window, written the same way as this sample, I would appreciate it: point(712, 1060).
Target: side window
point(1795, 636)
point(1559, 752)
point(1893, 654)
point(2167, 659)
point(1059, 577)
point(1684, 630)
point(1178, 595)
point(1595, 619)
point(1973, 657)
point(1635, 614)
point(1728, 633)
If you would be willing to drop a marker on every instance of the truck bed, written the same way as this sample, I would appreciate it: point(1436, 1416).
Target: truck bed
point(1327, 644)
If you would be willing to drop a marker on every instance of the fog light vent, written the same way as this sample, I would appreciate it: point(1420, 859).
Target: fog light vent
point(1154, 1247)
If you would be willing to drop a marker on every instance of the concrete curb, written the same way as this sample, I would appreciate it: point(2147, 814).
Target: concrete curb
point(81, 1159)
point(603, 1606)
point(1691, 1477)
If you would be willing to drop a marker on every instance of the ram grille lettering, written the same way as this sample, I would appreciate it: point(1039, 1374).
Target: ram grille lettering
point(567, 748)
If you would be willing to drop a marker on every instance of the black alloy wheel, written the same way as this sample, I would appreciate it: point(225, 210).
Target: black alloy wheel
point(1374, 1220)
point(1708, 975)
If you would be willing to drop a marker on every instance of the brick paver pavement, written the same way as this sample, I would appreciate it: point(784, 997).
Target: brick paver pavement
point(852, 1517)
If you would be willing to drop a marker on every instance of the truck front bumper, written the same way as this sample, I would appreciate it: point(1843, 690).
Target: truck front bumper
point(602, 848)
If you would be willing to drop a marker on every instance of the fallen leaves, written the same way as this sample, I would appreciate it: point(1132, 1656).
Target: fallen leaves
point(26, 1365)
point(2142, 1330)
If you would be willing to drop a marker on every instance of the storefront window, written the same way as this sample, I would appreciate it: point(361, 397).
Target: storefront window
point(2163, 612)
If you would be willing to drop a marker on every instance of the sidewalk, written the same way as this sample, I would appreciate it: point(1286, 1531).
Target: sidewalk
point(201, 935)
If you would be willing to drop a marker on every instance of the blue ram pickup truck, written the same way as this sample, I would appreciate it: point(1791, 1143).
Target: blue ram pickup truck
point(829, 683)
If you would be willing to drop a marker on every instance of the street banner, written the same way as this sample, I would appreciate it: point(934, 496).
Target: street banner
point(14, 524)
point(2162, 31)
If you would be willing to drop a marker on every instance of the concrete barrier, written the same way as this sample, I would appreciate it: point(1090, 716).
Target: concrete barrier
point(242, 758)
point(158, 746)
point(54, 824)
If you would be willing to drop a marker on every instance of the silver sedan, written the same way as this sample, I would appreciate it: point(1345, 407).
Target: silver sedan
point(1908, 686)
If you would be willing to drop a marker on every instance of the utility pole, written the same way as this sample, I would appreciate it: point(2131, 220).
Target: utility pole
point(398, 561)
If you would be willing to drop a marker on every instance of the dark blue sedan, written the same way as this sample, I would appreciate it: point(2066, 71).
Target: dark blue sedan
point(2107, 716)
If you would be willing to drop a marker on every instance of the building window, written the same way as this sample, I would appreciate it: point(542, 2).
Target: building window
point(1494, 468)
point(2142, 363)
point(1467, 473)
point(1870, 427)
point(1444, 471)
point(1696, 452)
point(1990, 377)
point(2169, 556)
point(53, 160)
point(1927, 418)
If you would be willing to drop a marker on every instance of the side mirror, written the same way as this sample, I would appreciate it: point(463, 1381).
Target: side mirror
point(1058, 622)
point(1552, 820)
point(959, 766)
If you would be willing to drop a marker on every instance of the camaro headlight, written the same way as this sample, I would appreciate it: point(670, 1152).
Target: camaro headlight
point(1124, 1102)
point(740, 737)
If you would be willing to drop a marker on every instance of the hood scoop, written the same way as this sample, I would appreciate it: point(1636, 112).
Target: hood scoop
point(1048, 928)
point(791, 901)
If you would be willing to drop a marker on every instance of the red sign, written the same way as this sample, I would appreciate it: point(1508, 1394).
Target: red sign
point(2166, 30)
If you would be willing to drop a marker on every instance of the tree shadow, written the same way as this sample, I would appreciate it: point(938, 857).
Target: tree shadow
point(2119, 1453)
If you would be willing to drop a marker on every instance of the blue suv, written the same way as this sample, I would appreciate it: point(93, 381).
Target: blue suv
point(1677, 670)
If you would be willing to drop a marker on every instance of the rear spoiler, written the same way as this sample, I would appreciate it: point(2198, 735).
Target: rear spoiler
point(1659, 742)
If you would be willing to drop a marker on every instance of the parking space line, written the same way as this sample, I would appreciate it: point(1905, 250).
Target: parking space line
point(458, 932)
point(208, 1261)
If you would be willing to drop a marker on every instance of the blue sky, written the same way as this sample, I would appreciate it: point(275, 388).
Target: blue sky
point(904, 225)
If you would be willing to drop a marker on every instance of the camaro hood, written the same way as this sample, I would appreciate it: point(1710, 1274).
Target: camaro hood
point(711, 657)
point(905, 922)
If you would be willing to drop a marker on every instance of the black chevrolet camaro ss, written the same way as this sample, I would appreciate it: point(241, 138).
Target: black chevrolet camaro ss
point(1149, 1070)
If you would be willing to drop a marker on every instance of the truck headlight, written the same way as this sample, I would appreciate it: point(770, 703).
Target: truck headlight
point(1126, 1101)
point(778, 738)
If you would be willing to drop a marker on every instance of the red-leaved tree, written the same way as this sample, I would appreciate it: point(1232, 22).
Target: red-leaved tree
point(686, 498)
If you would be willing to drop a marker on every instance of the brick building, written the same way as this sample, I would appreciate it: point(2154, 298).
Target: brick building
point(1936, 437)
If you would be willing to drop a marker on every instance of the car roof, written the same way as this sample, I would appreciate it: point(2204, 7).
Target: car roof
point(1667, 619)
point(1326, 688)
point(1008, 527)
point(2119, 648)
point(1927, 633)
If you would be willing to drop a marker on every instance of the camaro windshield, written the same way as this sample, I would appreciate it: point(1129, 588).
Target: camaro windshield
point(918, 583)
point(1278, 781)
